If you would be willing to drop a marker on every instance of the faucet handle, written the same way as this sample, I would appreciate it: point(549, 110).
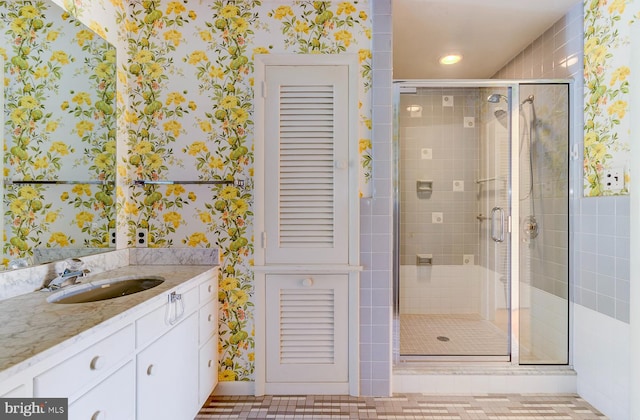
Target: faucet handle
point(74, 264)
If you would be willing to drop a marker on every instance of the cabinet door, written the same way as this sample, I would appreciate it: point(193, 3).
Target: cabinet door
point(167, 374)
point(307, 328)
point(208, 372)
point(307, 164)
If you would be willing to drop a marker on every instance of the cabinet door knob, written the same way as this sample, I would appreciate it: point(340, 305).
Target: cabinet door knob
point(96, 363)
point(150, 370)
point(210, 288)
point(209, 364)
point(307, 282)
point(210, 317)
point(98, 415)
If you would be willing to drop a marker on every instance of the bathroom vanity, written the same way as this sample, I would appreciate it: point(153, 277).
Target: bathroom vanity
point(148, 355)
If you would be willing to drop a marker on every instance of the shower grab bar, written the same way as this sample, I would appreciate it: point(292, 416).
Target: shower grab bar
point(494, 234)
point(480, 181)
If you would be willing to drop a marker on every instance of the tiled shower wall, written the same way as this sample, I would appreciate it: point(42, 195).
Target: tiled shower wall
point(439, 145)
point(600, 225)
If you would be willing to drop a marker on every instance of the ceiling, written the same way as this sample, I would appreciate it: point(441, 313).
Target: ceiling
point(488, 34)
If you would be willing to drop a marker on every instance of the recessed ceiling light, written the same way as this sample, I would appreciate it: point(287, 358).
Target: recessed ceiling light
point(450, 59)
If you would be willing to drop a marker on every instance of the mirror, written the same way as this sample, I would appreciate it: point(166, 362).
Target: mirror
point(58, 181)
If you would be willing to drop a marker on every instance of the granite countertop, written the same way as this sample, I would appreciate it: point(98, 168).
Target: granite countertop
point(32, 328)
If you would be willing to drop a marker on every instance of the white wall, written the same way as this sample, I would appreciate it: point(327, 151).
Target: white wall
point(602, 361)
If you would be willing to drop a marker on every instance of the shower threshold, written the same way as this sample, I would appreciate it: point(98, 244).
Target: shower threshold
point(481, 377)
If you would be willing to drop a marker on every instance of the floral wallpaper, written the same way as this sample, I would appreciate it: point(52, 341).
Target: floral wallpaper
point(606, 92)
point(59, 115)
point(185, 113)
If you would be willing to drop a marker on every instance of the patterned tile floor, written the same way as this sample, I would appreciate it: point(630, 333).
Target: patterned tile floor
point(401, 407)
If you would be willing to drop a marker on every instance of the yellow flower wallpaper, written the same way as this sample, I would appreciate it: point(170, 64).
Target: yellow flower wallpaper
point(606, 92)
point(185, 113)
point(59, 122)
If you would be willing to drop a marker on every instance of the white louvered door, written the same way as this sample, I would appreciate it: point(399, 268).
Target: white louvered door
point(306, 164)
point(307, 330)
point(306, 262)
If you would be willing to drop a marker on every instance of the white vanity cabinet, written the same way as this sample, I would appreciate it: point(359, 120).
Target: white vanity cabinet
point(158, 362)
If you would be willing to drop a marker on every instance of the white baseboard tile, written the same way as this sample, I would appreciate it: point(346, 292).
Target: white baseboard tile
point(235, 388)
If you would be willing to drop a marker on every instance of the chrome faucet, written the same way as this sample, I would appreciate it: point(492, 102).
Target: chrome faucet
point(72, 274)
point(67, 278)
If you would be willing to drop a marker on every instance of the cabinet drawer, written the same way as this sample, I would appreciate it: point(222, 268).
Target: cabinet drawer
point(207, 369)
point(156, 322)
point(113, 398)
point(78, 371)
point(208, 321)
point(209, 289)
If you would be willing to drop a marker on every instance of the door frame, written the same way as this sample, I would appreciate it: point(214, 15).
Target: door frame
point(514, 233)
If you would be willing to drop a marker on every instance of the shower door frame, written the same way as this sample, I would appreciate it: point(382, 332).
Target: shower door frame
point(512, 86)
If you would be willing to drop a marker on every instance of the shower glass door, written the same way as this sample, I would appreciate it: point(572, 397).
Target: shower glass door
point(452, 217)
point(544, 224)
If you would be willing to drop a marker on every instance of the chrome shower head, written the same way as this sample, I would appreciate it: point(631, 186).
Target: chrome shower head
point(495, 98)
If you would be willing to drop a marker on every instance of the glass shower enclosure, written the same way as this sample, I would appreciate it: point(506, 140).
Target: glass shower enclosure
point(481, 221)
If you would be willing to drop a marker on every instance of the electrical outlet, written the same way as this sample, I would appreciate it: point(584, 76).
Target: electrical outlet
point(142, 237)
point(112, 237)
point(613, 179)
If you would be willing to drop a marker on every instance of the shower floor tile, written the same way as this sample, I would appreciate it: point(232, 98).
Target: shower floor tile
point(450, 335)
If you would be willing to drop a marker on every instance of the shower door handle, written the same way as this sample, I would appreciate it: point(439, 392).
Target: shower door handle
point(497, 226)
